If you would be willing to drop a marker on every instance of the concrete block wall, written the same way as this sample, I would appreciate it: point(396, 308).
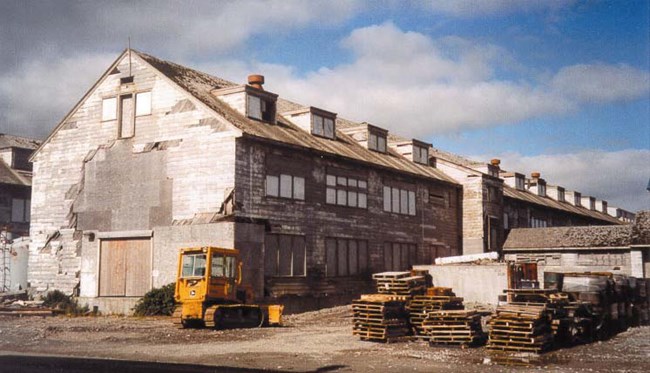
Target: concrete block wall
point(475, 283)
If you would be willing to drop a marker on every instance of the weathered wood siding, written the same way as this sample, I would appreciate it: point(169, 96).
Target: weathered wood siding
point(436, 224)
point(180, 162)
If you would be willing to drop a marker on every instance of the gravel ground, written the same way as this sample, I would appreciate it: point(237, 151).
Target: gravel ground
point(314, 341)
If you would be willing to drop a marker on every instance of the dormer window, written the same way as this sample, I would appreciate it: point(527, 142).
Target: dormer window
point(577, 199)
point(519, 182)
point(260, 108)
point(420, 154)
point(322, 126)
point(560, 195)
point(376, 141)
point(541, 189)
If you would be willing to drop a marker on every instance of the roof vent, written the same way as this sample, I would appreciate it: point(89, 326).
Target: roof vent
point(256, 81)
point(535, 175)
point(495, 162)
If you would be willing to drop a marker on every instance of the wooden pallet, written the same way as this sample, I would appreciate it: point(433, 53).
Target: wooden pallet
point(379, 318)
point(453, 327)
point(521, 327)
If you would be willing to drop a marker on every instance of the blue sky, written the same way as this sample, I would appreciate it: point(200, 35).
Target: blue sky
point(557, 86)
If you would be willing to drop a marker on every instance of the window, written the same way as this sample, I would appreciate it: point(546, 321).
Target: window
point(519, 183)
point(127, 120)
point(109, 108)
point(261, 109)
point(142, 104)
point(400, 201)
point(377, 142)
point(223, 266)
point(193, 265)
point(346, 191)
point(541, 189)
point(20, 210)
point(560, 195)
point(346, 257)
point(399, 256)
point(322, 126)
point(285, 186)
point(577, 199)
point(537, 223)
point(284, 255)
point(420, 154)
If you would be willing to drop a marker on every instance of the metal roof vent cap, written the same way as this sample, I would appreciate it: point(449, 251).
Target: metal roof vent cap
point(535, 175)
point(256, 81)
point(495, 162)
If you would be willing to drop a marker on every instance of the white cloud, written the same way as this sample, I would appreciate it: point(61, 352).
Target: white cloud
point(38, 96)
point(418, 86)
point(619, 177)
point(473, 8)
point(602, 83)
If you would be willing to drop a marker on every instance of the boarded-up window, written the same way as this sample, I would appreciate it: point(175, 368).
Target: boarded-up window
point(272, 186)
point(285, 186)
point(399, 201)
point(125, 267)
point(399, 256)
point(19, 210)
point(109, 108)
point(346, 257)
point(143, 103)
point(284, 255)
point(127, 119)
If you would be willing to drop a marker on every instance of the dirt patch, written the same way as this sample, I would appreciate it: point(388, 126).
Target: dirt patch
point(320, 340)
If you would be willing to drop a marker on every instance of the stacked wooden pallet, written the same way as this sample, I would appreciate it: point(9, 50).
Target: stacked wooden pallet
point(379, 318)
point(420, 306)
point(401, 283)
point(520, 328)
point(458, 327)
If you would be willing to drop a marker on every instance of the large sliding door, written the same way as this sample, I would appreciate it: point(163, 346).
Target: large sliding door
point(125, 267)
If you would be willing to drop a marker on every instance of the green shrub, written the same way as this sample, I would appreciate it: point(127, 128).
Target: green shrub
point(59, 301)
point(157, 302)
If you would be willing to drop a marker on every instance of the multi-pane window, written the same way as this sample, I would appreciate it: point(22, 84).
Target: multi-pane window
point(261, 109)
point(377, 142)
point(346, 257)
point(399, 201)
point(322, 126)
point(541, 189)
point(399, 256)
point(284, 255)
point(109, 108)
point(346, 191)
point(560, 195)
point(538, 223)
point(142, 104)
point(420, 154)
point(285, 186)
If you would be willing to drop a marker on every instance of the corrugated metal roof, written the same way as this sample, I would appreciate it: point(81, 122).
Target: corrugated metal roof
point(569, 237)
point(13, 177)
point(200, 86)
point(10, 141)
point(547, 202)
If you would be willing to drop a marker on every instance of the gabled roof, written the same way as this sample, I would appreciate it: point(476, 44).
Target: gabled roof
point(13, 177)
point(605, 236)
point(11, 141)
point(525, 196)
point(200, 85)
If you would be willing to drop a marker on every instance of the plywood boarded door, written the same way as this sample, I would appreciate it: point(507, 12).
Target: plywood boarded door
point(125, 267)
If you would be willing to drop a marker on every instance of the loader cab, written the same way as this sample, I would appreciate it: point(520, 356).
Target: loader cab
point(208, 273)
